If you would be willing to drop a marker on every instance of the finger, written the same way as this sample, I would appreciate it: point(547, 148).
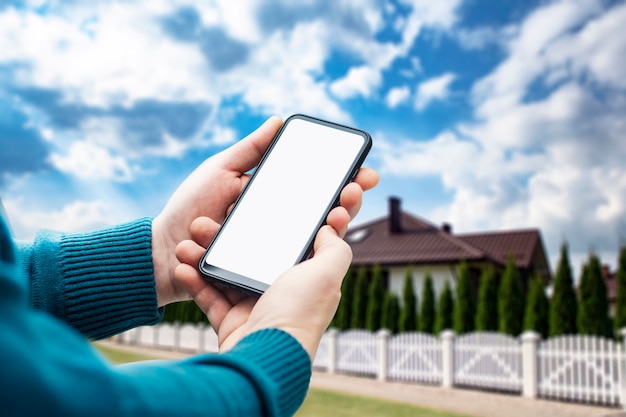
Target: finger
point(213, 303)
point(351, 198)
point(203, 230)
point(235, 321)
point(246, 154)
point(367, 178)
point(189, 252)
point(331, 249)
point(339, 218)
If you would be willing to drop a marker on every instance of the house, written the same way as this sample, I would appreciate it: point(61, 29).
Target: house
point(401, 240)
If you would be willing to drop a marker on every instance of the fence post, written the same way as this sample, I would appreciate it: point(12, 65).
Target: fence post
point(530, 376)
point(332, 349)
point(155, 335)
point(447, 357)
point(200, 336)
point(177, 326)
point(622, 369)
point(382, 341)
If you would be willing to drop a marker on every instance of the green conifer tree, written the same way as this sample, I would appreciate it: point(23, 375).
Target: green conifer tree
point(344, 311)
point(391, 312)
point(620, 302)
point(487, 310)
point(445, 310)
point(359, 302)
point(375, 298)
point(593, 306)
point(427, 306)
point(408, 311)
point(465, 305)
point(511, 301)
point(537, 309)
point(563, 303)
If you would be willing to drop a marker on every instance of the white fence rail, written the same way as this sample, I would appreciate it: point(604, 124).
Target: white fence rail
point(488, 360)
point(184, 338)
point(581, 368)
point(356, 353)
point(414, 357)
point(573, 368)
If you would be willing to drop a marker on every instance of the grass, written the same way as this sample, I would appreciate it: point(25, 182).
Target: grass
point(327, 403)
point(318, 402)
point(119, 356)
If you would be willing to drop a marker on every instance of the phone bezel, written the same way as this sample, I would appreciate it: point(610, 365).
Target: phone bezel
point(251, 285)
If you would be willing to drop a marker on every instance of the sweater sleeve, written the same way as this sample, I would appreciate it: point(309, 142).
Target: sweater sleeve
point(50, 369)
point(101, 283)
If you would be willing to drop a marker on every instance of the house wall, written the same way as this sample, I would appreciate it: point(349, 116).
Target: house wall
point(439, 273)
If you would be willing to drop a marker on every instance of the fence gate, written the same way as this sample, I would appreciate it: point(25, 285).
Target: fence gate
point(415, 357)
point(356, 352)
point(488, 360)
point(581, 368)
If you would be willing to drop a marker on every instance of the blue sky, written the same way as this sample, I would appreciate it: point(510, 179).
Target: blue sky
point(489, 115)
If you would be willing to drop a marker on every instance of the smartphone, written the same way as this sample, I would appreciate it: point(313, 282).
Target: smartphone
point(274, 221)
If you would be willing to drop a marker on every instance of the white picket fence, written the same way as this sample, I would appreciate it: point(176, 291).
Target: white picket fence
point(184, 338)
point(584, 369)
point(574, 368)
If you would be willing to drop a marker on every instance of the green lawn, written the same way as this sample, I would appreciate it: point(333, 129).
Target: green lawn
point(319, 402)
point(122, 356)
point(327, 403)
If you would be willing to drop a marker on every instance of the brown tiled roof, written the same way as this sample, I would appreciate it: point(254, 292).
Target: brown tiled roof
point(421, 242)
point(518, 243)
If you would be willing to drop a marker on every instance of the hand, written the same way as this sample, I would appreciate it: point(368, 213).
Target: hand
point(211, 190)
point(208, 191)
point(302, 301)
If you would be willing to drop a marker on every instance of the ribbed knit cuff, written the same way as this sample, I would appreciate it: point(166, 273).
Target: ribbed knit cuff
point(277, 364)
point(107, 283)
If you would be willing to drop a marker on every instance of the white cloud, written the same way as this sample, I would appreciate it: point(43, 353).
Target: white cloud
point(120, 59)
point(481, 37)
point(274, 82)
point(358, 81)
point(397, 96)
point(437, 88)
point(553, 162)
point(76, 216)
point(86, 160)
point(533, 53)
point(434, 13)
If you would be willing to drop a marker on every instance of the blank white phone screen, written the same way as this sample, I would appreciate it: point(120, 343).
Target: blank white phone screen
point(282, 207)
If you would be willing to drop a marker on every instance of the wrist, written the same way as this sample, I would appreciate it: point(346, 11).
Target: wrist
point(165, 262)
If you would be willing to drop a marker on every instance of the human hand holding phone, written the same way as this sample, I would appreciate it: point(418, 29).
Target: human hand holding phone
point(312, 287)
point(228, 310)
point(274, 221)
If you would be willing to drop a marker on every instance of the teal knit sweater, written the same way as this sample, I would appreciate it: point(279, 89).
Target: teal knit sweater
point(64, 288)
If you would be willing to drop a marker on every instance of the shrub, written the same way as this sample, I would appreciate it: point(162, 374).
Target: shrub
point(487, 310)
point(408, 312)
point(427, 307)
point(563, 303)
point(511, 301)
point(343, 315)
point(359, 301)
point(537, 309)
point(593, 306)
point(620, 302)
point(391, 312)
point(465, 306)
point(445, 310)
point(375, 300)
